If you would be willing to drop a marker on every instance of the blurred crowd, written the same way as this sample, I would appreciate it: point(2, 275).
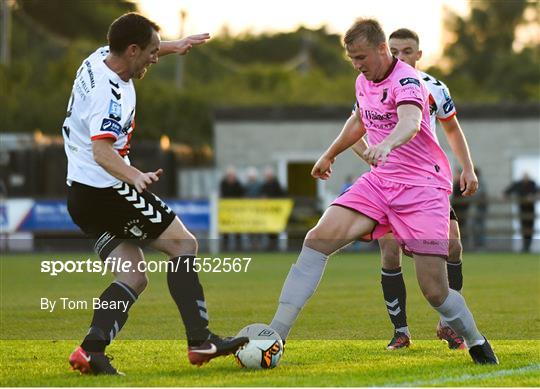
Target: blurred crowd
point(254, 186)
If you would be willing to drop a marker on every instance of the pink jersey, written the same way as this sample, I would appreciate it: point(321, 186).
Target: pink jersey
point(421, 161)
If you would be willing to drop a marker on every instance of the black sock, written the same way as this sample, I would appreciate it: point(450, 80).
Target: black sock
point(395, 296)
point(187, 293)
point(455, 275)
point(107, 323)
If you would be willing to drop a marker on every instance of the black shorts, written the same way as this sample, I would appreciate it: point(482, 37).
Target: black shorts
point(116, 214)
point(453, 215)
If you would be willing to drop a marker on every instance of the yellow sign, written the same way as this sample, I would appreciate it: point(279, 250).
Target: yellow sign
point(253, 215)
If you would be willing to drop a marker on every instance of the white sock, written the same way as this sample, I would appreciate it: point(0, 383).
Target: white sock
point(443, 323)
point(404, 330)
point(456, 314)
point(301, 283)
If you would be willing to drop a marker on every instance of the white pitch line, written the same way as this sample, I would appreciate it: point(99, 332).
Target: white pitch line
point(468, 377)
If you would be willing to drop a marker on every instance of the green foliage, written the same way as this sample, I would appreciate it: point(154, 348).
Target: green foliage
point(484, 65)
point(303, 67)
point(71, 19)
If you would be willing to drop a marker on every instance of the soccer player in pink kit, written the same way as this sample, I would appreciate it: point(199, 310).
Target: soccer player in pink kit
point(405, 192)
point(404, 45)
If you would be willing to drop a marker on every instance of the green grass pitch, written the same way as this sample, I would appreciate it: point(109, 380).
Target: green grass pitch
point(339, 339)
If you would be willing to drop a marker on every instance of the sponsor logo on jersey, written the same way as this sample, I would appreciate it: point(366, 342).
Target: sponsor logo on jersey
point(409, 80)
point(111, 125)
point(448, 106)
point(115, 110)
point(372, 115)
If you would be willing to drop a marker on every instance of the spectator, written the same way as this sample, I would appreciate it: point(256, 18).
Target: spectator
point(526, 191)
point(230, 187)
point(271, 189)
point(253, 186)
point(253, 191)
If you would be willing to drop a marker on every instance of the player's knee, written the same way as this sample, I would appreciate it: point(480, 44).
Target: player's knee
point(390, 259)
point(136, 281)
point(185, 244)
point(435, 295)
point(455, 250)
point(313, 235)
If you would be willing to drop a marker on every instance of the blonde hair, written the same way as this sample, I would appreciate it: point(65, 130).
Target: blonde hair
point(369, 29)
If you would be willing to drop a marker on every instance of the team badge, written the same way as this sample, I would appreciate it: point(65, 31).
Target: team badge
point(115, 110)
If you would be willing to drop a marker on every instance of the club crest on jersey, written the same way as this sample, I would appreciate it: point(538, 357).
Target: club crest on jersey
point(409, 80)
point(133, 228)
point(115, 110)
point(110, 125)
point(384, 94)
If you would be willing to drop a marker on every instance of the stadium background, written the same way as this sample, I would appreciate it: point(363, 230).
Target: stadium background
point(257, 101)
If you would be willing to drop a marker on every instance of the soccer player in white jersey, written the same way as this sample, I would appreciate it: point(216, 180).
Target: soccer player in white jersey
point(108, 198)
point(404, 45)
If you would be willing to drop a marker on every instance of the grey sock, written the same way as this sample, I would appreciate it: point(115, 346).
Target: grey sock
point(456, 314)
point(301, 283)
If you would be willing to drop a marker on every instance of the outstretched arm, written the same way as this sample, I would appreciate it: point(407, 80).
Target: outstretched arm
point(468, 182)
point(182, 46)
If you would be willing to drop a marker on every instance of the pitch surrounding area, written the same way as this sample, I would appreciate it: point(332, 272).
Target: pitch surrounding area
point(339, 339)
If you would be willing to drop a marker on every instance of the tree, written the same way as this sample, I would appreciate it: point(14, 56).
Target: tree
point(483, 61)
point(73, 19)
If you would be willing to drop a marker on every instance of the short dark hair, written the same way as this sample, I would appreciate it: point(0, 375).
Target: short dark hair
point(405, 33)
point(128, 29)
point(370, 29)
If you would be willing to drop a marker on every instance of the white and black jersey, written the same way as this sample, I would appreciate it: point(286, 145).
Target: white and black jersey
point(441, 105)
point(101, 105)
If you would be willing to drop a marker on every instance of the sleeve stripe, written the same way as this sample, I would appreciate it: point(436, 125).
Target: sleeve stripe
point(103, 136)
point(412, 102)
point(446, 119)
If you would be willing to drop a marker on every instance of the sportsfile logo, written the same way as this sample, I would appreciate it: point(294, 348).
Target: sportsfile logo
point(123, 265)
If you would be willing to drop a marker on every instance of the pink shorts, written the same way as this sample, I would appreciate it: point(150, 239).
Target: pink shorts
point(416, 215)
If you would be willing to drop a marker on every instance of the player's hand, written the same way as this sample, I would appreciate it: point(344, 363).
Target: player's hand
point(375, 155)
point(323, 168)
point(468, 183)
point(182, 46)
point(143, 180)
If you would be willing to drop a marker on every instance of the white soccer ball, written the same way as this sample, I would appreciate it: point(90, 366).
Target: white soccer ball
point(264, 349)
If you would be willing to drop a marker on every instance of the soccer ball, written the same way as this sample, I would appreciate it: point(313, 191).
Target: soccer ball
point(263, 350)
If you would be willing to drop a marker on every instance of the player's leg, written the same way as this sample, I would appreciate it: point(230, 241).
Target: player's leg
point(111, 313)
point(455, 282)
point(419, 219)
point(337, 227)
point(187, 292)
point(394, 291)
point(431, 275)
